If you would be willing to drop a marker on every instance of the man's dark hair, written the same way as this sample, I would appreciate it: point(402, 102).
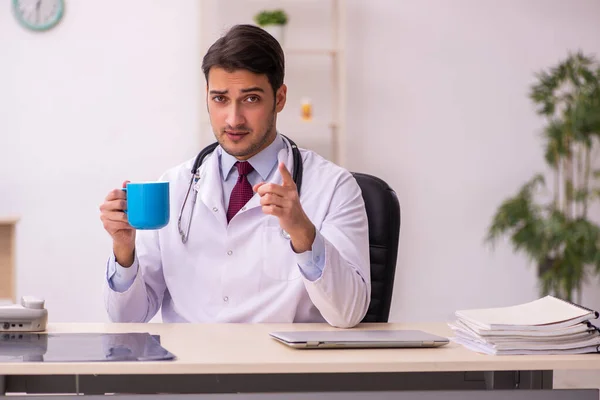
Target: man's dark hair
point(247, 47)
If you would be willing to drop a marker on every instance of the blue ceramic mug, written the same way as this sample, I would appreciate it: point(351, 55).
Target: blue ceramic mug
point(147, 205)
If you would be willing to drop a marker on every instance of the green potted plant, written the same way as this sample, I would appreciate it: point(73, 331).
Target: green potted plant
point(552, 227)
point(273, 21)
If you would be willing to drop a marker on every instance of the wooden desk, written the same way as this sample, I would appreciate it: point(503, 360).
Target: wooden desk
point(242, 357)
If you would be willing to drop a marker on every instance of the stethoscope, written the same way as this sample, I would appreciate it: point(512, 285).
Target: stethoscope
point(296, 175)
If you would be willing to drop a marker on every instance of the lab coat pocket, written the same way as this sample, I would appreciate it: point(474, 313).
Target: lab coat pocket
point(279, 261)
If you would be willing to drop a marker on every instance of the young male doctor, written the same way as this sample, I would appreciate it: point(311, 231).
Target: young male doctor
point(256, 251)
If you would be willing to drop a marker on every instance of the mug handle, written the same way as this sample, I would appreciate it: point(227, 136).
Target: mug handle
point(125, 190)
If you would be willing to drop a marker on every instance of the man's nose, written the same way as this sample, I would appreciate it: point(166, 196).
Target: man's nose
point(235, 117)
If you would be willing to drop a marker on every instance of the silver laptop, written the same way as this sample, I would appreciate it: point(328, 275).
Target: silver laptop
point(354, 338)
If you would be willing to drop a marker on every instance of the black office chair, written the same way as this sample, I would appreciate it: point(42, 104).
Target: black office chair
point(383, 213)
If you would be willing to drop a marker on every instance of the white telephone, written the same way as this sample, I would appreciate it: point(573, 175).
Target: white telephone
point(29, 316)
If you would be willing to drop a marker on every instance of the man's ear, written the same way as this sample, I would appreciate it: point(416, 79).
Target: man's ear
point(280, 98)
point(206, 96)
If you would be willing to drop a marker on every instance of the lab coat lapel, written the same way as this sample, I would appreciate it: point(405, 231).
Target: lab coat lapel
point(210, 188)
point(284, 156)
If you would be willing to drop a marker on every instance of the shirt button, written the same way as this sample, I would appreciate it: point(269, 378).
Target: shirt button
point(243, 208)
point(215, 209)
point(229, 252)
point(225, 299)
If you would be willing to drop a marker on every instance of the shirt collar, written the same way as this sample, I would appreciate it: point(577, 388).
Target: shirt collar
point(262, 162)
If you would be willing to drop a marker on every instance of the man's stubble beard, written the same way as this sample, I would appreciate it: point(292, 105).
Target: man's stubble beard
point(267, 136)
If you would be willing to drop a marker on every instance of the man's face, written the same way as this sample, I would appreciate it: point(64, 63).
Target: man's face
point(242, 110)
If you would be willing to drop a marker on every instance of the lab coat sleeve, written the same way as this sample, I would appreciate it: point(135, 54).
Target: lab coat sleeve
point(342, 293)
point(311, 262)
point(142, 299)
point(120, 278)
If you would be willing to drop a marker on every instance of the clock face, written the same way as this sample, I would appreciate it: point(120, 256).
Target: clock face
point(38, 15)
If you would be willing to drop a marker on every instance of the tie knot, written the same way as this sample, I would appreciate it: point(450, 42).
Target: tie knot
point(244, 168)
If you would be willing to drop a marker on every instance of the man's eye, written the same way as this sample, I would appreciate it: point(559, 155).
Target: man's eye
point(219, 99)
point(252, 99)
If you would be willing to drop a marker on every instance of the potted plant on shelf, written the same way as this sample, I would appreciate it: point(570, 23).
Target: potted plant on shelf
point(274, 22)
point(556, 232)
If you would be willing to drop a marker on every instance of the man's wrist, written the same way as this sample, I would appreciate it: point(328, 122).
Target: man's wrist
point(304, 240)
point(124, 255)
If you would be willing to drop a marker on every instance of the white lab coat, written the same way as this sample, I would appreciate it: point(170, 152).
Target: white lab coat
point(246, 271)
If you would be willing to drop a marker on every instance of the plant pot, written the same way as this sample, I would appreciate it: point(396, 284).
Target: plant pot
point(277, 31)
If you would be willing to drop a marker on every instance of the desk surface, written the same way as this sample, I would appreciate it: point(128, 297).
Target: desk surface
point(247, 348)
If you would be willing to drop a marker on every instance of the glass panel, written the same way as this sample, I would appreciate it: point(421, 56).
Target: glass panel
point(81, 347)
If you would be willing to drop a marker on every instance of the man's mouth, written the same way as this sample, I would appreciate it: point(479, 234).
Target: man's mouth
point(236, 135)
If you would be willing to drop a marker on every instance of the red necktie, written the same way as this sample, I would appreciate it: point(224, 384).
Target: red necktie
point(242, 191)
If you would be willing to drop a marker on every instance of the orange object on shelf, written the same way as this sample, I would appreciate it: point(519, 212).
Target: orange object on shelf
point(306, 109)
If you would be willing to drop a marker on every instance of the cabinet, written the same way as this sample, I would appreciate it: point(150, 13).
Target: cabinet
point(7, 260)
point(313, 44)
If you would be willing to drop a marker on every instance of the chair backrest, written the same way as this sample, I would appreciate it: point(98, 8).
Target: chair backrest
point(383, 213)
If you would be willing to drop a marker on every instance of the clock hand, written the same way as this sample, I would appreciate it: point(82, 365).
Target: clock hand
point(38, 4)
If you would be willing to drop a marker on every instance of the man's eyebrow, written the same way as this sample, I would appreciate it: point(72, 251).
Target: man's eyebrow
point(252, 89)
point(218, 92)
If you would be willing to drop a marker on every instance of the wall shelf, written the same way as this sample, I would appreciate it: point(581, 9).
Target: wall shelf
point(309, 51)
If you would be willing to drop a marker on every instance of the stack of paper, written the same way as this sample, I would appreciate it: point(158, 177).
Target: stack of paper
point(545, 326)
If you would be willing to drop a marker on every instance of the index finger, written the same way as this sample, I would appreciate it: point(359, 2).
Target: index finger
point(117, 194)
point(288, 181)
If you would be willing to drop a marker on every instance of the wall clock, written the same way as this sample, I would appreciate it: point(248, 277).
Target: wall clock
point(38, 15)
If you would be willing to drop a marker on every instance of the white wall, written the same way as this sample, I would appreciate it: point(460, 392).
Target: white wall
point(438, 107)
point(111, 94)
